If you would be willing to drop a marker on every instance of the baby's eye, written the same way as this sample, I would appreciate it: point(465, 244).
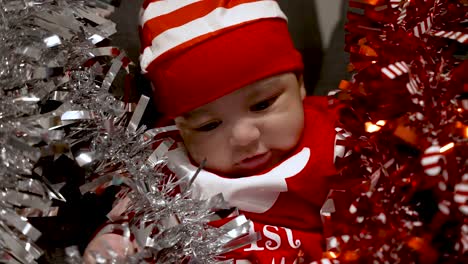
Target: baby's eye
point(208, 127)
point(263, 105)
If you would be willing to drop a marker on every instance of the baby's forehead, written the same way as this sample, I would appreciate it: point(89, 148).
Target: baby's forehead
point(267, 83)
point(263, 86)
point(195, 113)
point(251, 91)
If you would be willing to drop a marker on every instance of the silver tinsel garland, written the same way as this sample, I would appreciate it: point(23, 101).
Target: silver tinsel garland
point(49, 53)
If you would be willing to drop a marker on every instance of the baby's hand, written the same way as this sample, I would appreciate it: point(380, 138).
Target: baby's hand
point(113, 245)
point(109, 246)
point(243, 261)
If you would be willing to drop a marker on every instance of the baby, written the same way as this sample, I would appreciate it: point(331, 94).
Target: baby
point(227, 73)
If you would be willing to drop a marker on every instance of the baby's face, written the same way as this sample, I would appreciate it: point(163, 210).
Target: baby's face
point(247, 131)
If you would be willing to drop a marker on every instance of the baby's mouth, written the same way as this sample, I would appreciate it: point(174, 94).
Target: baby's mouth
point(256, 162)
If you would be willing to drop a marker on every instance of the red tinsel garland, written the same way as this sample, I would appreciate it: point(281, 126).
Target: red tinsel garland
point(404, 131)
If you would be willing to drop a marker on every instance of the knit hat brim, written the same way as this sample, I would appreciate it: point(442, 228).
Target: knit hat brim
point(189, 77)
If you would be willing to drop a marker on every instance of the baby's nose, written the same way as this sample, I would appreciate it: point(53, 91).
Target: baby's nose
point(244, 133)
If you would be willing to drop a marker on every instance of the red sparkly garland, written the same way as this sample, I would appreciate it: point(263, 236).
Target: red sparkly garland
point(403, 187)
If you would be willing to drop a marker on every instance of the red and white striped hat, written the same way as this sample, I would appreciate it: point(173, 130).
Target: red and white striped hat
point(196, 51)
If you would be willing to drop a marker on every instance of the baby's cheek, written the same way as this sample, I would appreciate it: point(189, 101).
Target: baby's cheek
point(215, 159)
point(284, 134)
point(218, 159)
point(210, 147)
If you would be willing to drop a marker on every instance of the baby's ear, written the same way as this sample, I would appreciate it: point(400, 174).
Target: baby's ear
point(302, 87)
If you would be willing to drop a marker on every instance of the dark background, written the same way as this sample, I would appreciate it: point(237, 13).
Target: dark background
point(324, 66)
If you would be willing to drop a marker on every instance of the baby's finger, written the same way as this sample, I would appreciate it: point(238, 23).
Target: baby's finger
point(108, 246)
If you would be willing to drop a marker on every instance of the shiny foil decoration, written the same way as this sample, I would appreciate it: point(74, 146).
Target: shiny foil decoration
point(57, 78)
point(159, 218)
point(401, 193)
point(43, 45)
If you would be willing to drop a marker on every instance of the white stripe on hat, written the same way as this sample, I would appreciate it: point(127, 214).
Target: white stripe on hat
point(220, 18)
point(163, 7)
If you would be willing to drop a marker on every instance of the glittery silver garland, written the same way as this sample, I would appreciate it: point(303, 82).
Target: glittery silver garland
point(44, 44)
point(49, 53)
point(163, 224)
